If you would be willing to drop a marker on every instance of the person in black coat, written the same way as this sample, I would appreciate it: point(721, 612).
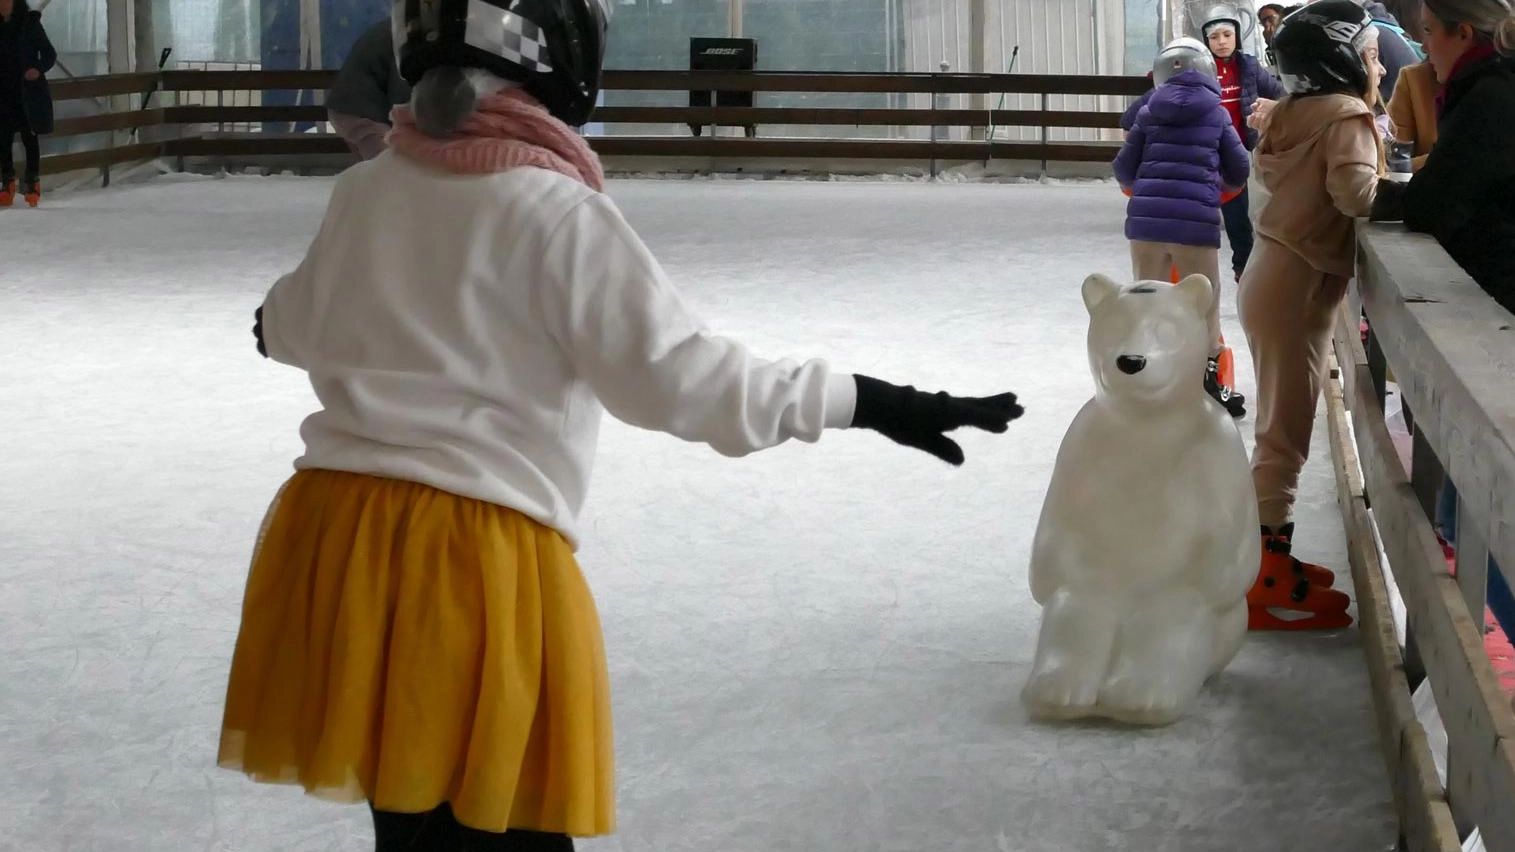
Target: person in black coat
point(367, 88)
point(1464, 195)
point(26, 105)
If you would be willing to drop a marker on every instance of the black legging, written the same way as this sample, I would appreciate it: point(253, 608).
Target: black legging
point(439, 831)
point(8, 162)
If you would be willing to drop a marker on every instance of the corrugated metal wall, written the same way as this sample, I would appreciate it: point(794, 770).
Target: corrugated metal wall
point(1054, 36)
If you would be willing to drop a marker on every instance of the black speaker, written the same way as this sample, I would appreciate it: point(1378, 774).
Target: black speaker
point(722, 54)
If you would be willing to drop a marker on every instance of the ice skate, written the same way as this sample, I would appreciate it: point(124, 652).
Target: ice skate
point(1316, 574)
point(1234, 402)
point(1286, 583)
point(34, 194)
point(1225, 365)
point(8, 193)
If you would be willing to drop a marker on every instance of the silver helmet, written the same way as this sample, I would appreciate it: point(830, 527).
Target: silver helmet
point(1204, 13)
point(1179, 55)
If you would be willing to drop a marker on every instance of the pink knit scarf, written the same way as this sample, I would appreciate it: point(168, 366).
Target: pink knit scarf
point(508, 129)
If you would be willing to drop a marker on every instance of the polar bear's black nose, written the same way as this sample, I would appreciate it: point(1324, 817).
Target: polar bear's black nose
point(1130, 364)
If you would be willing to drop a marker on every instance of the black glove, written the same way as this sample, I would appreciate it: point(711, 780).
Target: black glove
point(1388, 202)
point(258, 331)
point(919, 419)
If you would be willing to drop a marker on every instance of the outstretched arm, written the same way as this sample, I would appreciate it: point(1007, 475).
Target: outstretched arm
point(653, 363)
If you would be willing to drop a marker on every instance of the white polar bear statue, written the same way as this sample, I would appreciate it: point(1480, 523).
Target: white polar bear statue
point(1148, 539)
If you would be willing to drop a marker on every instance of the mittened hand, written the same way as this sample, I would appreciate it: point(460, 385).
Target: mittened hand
point(1388, 202)
point(258, 331)
point(918, 419)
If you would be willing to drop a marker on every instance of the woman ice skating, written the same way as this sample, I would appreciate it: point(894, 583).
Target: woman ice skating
point(416, 632)
point(26, 105)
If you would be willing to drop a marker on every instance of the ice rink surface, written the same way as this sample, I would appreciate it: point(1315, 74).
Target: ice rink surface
point(817, 649)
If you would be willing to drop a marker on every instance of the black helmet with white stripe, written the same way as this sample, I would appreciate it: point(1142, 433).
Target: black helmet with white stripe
point(1318, 49)
point(553, 48)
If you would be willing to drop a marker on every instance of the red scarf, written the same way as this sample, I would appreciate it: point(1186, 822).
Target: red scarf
point(508, 129)
point(1481, 52)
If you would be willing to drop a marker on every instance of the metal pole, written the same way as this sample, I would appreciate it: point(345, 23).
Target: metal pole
point(1045, 108)
point(1094, 29)
point(978, 48)
point(937, 130)
point(142, 36)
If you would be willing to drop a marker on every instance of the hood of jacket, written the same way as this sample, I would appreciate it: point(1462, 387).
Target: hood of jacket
point(1189, 97)
point(1295, 127)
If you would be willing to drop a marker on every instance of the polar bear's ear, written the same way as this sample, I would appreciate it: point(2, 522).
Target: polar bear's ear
point(1098, 288)
point(1198, 292)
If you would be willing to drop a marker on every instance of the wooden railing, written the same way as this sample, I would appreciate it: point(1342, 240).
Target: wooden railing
point(111, 98)
point(1451, 351)
point(197, 130)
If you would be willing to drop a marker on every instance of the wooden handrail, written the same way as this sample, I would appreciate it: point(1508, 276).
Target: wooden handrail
point(210, 81)
point(777, 81)
point(935, 115)
point(1452, 348)
point(82, 88)
point(1451, 351)
point(293, 113)
point(107, 122)
point(733, 81)
point(850, 117)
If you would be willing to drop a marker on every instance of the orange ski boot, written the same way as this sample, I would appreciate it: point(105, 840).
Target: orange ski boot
point(1316, 574)
point(1220, 380)
point(1285, 583)
point(1225, 364)
point(8, 193)
point(33, 194)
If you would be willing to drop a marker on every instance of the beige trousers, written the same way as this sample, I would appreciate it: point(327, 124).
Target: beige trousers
point(1155, 262)
point(1286, 308)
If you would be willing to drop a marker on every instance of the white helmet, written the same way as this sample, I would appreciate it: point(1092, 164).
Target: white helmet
point(1179, 55)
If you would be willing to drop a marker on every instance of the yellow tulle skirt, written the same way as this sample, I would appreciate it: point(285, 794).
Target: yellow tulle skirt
point(408, 647)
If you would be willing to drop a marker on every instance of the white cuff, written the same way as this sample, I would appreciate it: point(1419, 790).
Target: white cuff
point(841, 400)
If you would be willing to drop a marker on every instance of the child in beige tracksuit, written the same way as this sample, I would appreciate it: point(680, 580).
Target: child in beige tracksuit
point(1320, 159)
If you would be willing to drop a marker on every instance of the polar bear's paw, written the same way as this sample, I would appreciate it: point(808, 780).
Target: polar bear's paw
point(1145, 698)
point(1061, 692)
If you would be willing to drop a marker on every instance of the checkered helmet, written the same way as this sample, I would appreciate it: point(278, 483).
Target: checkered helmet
point(553, 48)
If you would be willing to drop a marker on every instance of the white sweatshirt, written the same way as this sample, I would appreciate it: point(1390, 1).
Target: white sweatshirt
point(463, 332)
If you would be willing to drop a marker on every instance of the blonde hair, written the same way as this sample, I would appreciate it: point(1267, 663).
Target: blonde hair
point(1492, 20)
point(1374, 98)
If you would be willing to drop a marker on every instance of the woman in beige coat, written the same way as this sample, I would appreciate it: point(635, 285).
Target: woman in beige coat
point(1412, 110)
point(1320, 159)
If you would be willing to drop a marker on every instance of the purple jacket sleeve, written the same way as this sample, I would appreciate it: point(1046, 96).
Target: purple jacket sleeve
point(1129, 160)
point(1128, 118)
point(1235, 165)
point(1267, 85)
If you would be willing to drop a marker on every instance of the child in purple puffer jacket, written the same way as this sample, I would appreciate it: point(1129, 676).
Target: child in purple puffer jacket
point(1181, 154)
